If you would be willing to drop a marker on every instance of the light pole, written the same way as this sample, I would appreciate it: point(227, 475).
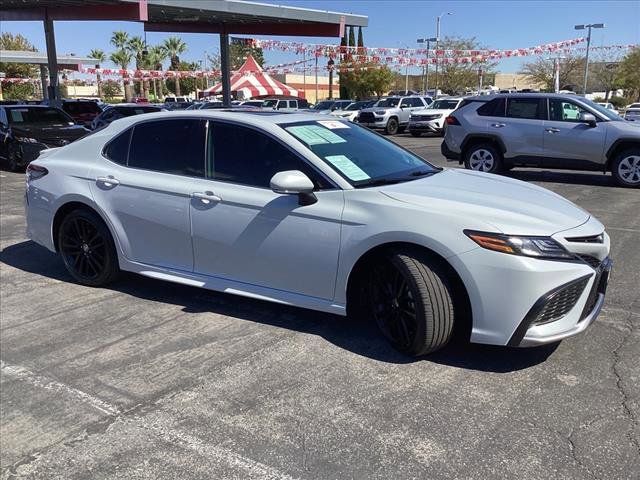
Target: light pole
point(586, 60)
point(437, 42)
point(425, 83)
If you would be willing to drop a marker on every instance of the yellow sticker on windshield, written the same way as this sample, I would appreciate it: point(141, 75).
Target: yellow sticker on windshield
point(346, 166)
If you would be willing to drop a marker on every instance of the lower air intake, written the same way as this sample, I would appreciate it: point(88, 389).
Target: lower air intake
point(561, 303)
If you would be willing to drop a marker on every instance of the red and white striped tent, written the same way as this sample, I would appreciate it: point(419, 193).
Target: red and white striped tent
point(251, 81)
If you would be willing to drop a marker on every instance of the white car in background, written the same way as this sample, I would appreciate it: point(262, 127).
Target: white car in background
point(632, 112)
point(431, 119)
point(607, 105)
point(352, 110)
point(320, 213)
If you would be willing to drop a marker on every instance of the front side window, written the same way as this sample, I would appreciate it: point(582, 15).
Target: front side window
point(361, 157)
point(246, 156)
point(528, 108)
point(563, 111)
point(169, 146)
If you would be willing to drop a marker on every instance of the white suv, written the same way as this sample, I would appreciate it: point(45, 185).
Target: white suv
point(391, 114)
point(431, 119)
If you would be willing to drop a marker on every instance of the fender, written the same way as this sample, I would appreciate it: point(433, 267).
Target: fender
point(483, 136)
point(611, 150)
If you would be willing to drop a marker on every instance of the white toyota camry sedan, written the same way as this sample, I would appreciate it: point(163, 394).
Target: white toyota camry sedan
point(323, 214)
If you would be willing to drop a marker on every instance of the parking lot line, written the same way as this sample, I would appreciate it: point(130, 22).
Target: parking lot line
point(253, 468)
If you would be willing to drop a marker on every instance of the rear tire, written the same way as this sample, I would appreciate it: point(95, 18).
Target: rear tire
point(483, 157)
point(87, 249)
point(626, 168)
point(392, 127)
point(410, 298)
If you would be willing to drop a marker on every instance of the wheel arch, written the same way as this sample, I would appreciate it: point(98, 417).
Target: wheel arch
point(69, 205)
point(462, 302)
point(475, 139)
point(618, 146)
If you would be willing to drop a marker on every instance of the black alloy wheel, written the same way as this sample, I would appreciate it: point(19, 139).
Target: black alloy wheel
point(410, 300)
point(392, 126)
point(87, 248)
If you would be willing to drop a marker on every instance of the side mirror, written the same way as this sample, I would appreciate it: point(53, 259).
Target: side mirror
point(294, 182)
point(587, 118)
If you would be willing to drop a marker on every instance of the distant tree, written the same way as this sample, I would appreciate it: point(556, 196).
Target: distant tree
point(122, 58)
point(111, 89)
point(239, 51)
point(175, 47)
point(100, 57)
point(542, 71)
point(154, 60)
point(458, 77)
point(360, 39)
point(629, 74)
point(188, 84)
point(139, 49)
point(120, 39)
point(9, 41)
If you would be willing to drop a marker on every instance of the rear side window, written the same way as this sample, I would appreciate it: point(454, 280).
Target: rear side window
point(529, 108)
point(118, 148)
point(494, 108)
point(169, 146)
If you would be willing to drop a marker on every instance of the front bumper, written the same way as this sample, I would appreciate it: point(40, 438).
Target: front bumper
point(430, 126)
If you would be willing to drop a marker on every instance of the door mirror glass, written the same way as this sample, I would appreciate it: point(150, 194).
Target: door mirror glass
point(588, 118)
point(291, 182)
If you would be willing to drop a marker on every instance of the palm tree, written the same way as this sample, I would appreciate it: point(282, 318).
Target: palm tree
point(120, 39)
point(138, 47)
point(99, 57)
point(175, 46)
point(153, 61)
point(123, 58)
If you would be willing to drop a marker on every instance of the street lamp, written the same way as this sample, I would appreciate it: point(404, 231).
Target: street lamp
point(586, 61)
point(425, 82)
point(437, 42)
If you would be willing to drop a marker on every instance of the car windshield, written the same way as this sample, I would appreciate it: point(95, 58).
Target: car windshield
point(41, 116)
point(326, 105)
point(609, 114)
point(444, 104)
point(130, 111)
point(387, 102)
point(355, 106)
point(361, 157)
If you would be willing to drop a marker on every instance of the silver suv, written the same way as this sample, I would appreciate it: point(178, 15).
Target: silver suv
point(391, 114)
point(498, 132)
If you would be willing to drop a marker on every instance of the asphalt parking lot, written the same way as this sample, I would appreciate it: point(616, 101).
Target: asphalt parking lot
point(151, 380)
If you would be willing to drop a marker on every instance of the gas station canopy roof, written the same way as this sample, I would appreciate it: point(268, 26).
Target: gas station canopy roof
point(205, 16)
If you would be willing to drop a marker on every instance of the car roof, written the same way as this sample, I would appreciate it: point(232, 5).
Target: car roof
point(251, 117)
point(25, 105)
point(487, 98)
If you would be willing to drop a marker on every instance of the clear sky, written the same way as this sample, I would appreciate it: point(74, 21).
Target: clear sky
point(495, 24)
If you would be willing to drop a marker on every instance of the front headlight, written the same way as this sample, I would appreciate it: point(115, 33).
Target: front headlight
point(536, 247)
point(380, 112)
point(26, 140)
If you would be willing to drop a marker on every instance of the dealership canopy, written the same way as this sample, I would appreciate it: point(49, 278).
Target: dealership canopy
point(251, 81)
point(204, 16)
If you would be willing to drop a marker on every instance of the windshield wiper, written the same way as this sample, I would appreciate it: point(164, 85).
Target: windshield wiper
point(422, 173)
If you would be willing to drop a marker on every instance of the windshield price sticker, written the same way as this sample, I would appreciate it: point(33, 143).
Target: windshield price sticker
point(333, 124)
point(315, 134)
point(346, 166)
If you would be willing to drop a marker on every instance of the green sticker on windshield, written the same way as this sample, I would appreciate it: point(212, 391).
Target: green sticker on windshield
point(346, 166)
point(315, 134)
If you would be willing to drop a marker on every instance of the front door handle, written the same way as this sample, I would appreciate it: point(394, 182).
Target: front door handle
point(552, 130)
point(108, 181)
point(498, 125)
point(206, 197)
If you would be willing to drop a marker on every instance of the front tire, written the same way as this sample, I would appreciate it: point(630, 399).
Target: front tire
point(392, 127)
point(483, 157)
point(626, 168)
point(410, 299)
point(87, 249)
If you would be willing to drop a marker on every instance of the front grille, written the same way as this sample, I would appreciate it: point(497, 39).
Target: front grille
point(561, 302)
point(592, 261)
point(424, 118)
point(366, 117)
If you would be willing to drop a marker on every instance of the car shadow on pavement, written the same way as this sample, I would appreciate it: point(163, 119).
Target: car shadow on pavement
point(595, 179)
point(359, 337)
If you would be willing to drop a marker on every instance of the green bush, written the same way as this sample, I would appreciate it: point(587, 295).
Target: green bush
point(619, 102)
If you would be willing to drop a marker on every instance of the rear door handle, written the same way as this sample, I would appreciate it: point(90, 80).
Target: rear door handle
point(108, 181)
point(498, 125)
point(206, 197)
point(552, 130)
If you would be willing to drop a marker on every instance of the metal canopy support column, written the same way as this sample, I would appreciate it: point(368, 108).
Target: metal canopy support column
point(225, 70)
point(43, 82)
point(52, 57)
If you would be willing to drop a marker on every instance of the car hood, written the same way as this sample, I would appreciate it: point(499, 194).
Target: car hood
point(627, 127)
point(511, 206)
point(40, 132)
point(373, 109)
point(432, 111)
